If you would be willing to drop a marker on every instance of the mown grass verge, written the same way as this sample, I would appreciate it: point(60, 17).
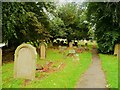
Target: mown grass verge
point(110, 67)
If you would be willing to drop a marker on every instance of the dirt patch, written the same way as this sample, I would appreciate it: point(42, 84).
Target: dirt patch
point(48, 69)
point(78, 50)
point(26, 82)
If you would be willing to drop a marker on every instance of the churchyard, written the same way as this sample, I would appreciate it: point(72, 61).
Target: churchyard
point(60, 67)
point(57, 70)
point(60, 45)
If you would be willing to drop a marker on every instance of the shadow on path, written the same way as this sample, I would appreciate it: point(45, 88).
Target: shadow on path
point(94, 77)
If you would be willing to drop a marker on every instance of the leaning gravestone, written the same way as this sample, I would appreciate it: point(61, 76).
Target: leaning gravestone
point(42, 50)
point(25, 62)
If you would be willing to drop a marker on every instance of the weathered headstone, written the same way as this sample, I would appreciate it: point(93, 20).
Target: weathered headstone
point(116, 49)
point(25, 62)
point(42, 50)
point(60, 49)
point(70, 44)
point(72, 51)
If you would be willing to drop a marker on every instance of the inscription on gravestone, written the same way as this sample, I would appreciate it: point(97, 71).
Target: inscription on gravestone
point(25, 62)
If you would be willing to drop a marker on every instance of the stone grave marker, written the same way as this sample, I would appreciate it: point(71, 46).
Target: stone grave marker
point(72, 51)
point(79, 44)
point(25, 62)
point(116, 49)
point(70, 44)
point(42, 50)
point(60, 49)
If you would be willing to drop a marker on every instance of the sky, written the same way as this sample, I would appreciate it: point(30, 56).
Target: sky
point(64, 1)
point(60, 2)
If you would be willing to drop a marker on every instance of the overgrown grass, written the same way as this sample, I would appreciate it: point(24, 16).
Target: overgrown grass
point(66, 77)
point(110, 67)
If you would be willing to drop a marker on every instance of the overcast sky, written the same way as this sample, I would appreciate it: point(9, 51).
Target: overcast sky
point(65, 1)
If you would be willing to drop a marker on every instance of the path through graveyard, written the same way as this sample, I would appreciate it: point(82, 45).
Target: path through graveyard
point(94, 77)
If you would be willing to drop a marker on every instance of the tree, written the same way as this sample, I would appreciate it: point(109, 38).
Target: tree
point(25, 21)
point(71, 14)
point(106, 19)
point(57, 28)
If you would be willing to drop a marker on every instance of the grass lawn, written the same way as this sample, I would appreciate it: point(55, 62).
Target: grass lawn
point(110, 67)
point(65, 77)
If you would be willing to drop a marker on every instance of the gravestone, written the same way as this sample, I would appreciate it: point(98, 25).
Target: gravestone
point(79, 44)
point(42, 50)
point(25, 62)
point(116, 49)
point(60, 49)
point(118, 55)
point(72, 51)
point(70, 44)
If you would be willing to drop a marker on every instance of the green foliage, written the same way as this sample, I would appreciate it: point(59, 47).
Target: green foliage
point(106, 19)
point(31, 21)
point(73, 17)
point(57, 27)
point(25, 21)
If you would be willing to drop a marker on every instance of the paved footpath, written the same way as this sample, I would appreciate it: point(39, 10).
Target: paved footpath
point(94, 77)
